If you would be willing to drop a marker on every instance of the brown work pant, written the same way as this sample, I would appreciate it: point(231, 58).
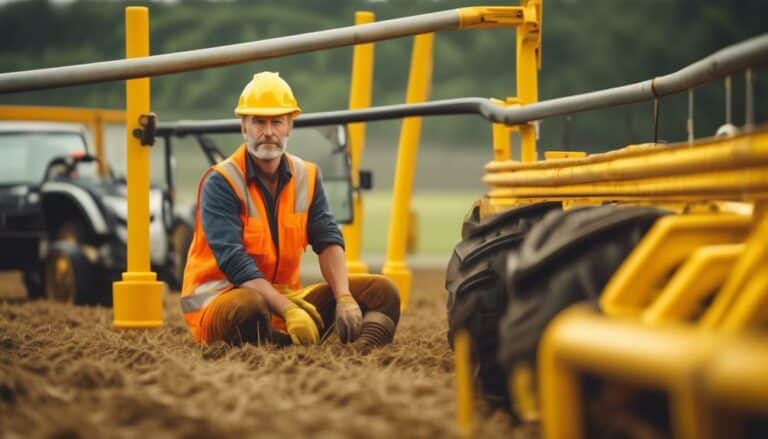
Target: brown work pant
point(242, 315)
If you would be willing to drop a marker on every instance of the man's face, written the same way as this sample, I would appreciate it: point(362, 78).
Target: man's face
point(266, 136)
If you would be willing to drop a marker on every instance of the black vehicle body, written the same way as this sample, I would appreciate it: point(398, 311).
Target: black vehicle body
point(56, 208)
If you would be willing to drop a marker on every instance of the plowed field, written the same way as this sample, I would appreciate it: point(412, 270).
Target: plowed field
point(65, 372)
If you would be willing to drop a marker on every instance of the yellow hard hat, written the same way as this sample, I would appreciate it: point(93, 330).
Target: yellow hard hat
point(267, 95)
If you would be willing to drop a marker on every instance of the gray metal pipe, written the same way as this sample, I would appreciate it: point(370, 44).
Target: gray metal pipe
point(435, 108)
point(732, 59)
point(724, 62)
point(752, 52)
point(227, 55)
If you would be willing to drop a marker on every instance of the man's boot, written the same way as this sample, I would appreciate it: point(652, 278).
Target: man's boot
point(378, 329)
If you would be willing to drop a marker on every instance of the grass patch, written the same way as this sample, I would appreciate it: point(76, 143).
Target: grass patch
point(439, 216)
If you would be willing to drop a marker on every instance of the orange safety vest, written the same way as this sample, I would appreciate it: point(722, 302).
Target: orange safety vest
point(203, 280)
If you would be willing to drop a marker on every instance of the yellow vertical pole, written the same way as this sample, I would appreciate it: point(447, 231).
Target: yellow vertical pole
point(559, 388)
point(419, 80)
point(501, 143)
point(359, 97)
point(464, 393)
point(138, 298)
point(528, 37)
point(97, 124)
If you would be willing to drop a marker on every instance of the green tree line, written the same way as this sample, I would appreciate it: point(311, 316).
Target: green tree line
point(587, 45)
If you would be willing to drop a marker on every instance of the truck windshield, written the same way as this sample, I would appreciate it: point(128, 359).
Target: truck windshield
point(25, 156)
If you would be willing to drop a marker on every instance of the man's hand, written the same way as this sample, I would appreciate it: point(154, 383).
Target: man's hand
point(349, 318)
point(300, 325)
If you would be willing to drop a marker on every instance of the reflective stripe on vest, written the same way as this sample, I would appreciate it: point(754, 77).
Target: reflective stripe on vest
point(301, 201)
point(203, 295)
point(229, 168)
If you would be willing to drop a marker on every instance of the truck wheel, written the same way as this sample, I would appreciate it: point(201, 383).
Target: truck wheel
point(568, 257)
point(69, 276)
point(33, 281)
point(476, 288)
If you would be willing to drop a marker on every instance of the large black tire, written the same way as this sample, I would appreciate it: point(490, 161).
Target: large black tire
point(34, 282)
point(566, 258)
point(70, 277)
point(475, 282)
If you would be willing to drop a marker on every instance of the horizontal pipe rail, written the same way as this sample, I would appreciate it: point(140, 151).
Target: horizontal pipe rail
point(461, 18)
point(741, 152)
point(435, 108)
point(752, 52)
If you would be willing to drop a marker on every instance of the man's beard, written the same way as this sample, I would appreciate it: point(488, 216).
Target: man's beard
point(260, 151)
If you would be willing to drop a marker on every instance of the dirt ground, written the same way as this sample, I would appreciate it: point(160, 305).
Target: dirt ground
point(66, 373)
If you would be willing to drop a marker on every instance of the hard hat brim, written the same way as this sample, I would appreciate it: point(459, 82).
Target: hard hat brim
point(267, 111)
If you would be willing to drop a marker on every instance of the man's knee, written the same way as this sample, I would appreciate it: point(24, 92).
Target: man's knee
point(242, 317)
point(381, 295)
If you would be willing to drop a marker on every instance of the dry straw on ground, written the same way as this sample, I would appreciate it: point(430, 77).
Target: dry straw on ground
point(65, 372)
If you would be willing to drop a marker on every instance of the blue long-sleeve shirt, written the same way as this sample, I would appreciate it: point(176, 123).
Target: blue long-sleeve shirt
point(220, 215)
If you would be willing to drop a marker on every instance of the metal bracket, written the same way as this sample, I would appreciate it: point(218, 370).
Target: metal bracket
point(146, 133)
point(479, 17)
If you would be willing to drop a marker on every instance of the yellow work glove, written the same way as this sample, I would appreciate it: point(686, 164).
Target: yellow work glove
point(300, 325)
point(349, 318)
point(309, 308)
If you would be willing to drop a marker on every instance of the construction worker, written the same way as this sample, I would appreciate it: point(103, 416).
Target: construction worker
point(256, 213)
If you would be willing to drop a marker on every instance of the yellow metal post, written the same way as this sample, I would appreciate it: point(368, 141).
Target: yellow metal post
point(501, 143)
point(419, 81)
point(464, 393)
point(528, 38)
point(98, 145)
point(745, 284)
point(138, 298)
point(359, 97)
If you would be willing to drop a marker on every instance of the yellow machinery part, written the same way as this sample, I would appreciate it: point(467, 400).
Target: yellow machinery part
point(465, 398)
point(580, 342)
point(641, 277)
point(701, 274)
point(737, 303)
